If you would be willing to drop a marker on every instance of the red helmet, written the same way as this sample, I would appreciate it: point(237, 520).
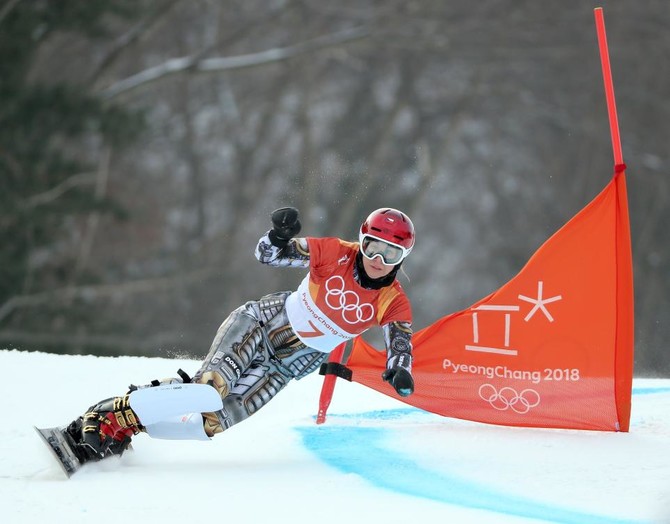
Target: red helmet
point(389, 225)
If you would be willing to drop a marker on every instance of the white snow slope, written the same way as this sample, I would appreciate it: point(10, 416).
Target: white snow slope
point(375, 459)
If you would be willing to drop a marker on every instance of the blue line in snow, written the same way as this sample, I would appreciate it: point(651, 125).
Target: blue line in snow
point(360, 450)
point(649, 391)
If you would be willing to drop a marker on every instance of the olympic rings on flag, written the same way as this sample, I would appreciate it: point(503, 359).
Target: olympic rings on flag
point(508, 398)
point(339, 299)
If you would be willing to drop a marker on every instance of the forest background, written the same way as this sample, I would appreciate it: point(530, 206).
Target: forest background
point(143, 145)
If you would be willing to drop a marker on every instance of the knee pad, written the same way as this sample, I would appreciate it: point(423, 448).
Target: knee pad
point(185, 427)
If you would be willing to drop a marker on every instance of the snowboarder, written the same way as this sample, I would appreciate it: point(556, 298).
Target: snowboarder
point(265, 343)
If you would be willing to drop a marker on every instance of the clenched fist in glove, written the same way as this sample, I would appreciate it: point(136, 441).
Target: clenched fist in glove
point(399, 375)
point(285, 225)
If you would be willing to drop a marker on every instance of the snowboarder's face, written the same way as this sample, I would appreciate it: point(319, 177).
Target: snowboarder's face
point(375, 268)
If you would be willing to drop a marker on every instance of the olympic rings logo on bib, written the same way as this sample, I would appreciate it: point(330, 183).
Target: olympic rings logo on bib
point(353, 312)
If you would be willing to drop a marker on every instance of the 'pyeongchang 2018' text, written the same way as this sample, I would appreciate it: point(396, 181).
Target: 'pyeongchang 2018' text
point(492, 371)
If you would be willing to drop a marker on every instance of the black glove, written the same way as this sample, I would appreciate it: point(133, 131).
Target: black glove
point(400, 379)
point(285, 225)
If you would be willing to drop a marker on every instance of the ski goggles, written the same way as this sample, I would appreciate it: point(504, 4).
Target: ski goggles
point(390, 253)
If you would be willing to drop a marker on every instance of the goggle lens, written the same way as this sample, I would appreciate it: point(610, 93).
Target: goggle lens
point(390, 254)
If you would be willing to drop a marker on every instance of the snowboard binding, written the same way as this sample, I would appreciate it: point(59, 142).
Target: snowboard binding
point(105, 429)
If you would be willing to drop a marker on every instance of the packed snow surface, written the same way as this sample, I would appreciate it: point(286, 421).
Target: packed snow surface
point(374, 460)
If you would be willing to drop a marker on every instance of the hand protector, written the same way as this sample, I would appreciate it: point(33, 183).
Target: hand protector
point(285, 225)
point(400, 379)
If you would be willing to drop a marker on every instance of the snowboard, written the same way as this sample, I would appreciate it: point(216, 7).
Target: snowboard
point(60, 448)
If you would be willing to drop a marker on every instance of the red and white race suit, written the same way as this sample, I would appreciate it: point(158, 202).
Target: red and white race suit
point(331, 307)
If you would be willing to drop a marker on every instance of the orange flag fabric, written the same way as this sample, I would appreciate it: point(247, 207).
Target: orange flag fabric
point(552, 348)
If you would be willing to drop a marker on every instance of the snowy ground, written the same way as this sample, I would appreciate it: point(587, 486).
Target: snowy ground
point(375, 459)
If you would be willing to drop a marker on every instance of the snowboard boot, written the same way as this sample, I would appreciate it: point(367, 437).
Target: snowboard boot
point(105, 429)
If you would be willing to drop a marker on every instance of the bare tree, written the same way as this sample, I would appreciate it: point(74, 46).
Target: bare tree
point(477, 119)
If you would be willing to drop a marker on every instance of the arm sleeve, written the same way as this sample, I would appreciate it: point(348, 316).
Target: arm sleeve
point(398, 339)
point(294, 254)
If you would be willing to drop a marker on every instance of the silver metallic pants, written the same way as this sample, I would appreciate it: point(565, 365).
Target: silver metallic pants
point(254, 355)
